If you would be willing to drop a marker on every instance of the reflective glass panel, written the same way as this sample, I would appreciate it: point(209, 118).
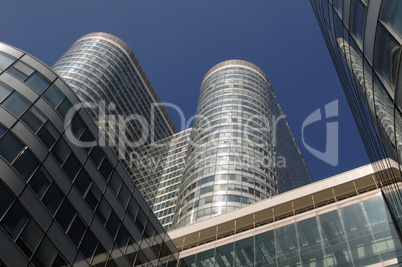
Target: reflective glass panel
point(244, 252)
point(386, 57)
point(16, 104)
point(52, 198)
point(113, 224)
point(5, 90)
point(65, 215)
point(72, 166)
point(53, 95)
point(77, 230)
point(103, 211)
point(26, 164)
point(48, 134)
point(357, 15)
point(5, 199)
point(82, 182)
point(38, 82)
point(14, 220)
point(77, 126)
point(40, 182)
point(106, 168)
point(34, 118)
point(10, 147)
point(6, 60)
point(45, 254)
point(88, 245)
point(96, 155)
point(64, 107)
point(17, 73)
point(61, 151)
point(391, 14)
point(30, 238)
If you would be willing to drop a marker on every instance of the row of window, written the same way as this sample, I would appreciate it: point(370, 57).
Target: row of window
point(44, 186)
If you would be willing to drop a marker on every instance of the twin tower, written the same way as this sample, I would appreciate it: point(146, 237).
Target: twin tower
point(93, 170)
point(239, 151)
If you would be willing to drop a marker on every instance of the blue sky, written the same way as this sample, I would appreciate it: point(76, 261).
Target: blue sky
point(177, 42)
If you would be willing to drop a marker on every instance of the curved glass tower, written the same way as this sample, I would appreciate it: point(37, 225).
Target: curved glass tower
point(364, 39)
point(63, 203)
point(104, 73)
point(236, 154)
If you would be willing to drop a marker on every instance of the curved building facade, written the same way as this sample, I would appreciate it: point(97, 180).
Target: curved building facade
point(233, 158)
point(104, 72)
point(63, 202)
point(364, 39)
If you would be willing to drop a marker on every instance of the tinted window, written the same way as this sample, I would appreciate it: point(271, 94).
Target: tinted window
point(17, 73)
point(26, 164)
point(113, 224)
point(10, 147)
point(97, 155)
point(45, 253)
point(122, 237)
point(93, 197)
point(103, 211)
point(386, 58)
point(14, 220)
point(40, 182)
point(72, 166)
point(53, 95)
point(106, 168)
point(6, 60)
point(64, 108)
point(52, 199)
point(65, 215)
point(48, 134)
point(2, 130)
point(5, 199)
point(16, 104)
point(82, 182)
point(391, 14)
point(88, 245)
point(5, 90)
point(124, 195)
point(38, 82)
point(77, 126)
point(34, 118)
point(358, 13)
point(77, 231)
point(61, 151)
point(30, 238)
point(115, 182)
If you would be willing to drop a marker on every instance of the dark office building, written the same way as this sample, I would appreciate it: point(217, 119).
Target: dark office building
point(65, 200)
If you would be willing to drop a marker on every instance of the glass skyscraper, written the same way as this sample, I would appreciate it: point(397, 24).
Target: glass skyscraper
point(104, 73)
point(364, 40)
point(64, 198)
point(166, 198)
point(241, 148)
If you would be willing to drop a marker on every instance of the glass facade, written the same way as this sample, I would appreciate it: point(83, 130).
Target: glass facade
point(359, 234)
point(364, 40)
point(241, 148)
point(103, 71)
point(166, 198)
point(63, 203)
